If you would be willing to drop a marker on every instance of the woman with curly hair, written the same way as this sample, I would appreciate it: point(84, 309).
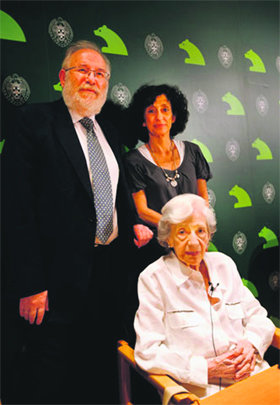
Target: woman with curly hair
point(162, 167)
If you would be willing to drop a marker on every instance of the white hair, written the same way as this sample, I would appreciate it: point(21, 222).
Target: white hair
point(178, 209)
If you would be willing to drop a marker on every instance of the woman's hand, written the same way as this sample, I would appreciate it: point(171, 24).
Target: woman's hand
point(143, 235)
point(236, 364)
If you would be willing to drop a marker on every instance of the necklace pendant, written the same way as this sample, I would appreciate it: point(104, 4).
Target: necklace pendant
point(173, 183)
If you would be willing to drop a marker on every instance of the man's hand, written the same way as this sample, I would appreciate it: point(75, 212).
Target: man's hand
point(34, 307)
point(143, 235)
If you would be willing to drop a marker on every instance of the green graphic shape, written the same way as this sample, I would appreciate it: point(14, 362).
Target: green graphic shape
point(269, 236)
point(251, 287)
point(212, 247)
point(257, 63)
point(57, 87)
point(114, 43)
point(236, 107)
point(275, 320)
point(264, 150)
point(204, 149)
point(195, 55)
point(9, 28)
point(2, 145)
point(242, 196)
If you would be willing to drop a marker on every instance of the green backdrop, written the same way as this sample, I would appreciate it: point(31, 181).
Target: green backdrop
point(224, 55)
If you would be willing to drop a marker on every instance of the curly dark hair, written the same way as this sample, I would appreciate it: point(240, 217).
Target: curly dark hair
point(146, 96)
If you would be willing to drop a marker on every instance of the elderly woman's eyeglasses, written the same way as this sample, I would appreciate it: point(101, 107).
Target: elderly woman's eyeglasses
point(98, 74)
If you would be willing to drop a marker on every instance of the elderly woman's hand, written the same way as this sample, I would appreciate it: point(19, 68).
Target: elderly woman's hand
point(236, 364)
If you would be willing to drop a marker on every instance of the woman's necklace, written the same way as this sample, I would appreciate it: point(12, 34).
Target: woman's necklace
point(171, 180)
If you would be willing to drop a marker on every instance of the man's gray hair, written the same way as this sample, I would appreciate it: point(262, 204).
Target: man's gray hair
point(178, 209)
point(83, 44)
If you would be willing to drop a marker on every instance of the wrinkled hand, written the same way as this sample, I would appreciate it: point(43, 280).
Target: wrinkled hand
point(246, 361)
point(235, 364)
point(143, 235)
point(34, 307)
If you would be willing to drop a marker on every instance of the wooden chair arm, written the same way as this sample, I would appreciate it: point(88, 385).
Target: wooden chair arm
point(276, 338)
point(159, 381)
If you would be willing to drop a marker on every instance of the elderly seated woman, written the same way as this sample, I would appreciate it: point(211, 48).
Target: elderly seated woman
point(196, 321)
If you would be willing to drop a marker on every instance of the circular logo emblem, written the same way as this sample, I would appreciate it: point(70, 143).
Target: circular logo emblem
point(262, 105)
point(121, 95)
point(153, 46)
point(273, 281)
point(278, 63)
point(60, 32)
point(200, 101)
point(232, 150)
point(239, 242)
point(268, 192)
point(225, 56)
point(212, 197)
point(16, 89)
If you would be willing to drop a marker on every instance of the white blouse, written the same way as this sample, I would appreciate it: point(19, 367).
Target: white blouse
point(178, 330)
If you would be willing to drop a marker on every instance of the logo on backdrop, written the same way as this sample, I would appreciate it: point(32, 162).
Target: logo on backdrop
point(268, 192)
point(115, 44)
point(232, 150)
point(269, 236)
point(16, 89)
point(264, 150)
point(278, 63)
point(239, 242)
point(242, 196)
point(225, 56)
point(257, 63)
point(274, 281)
point(121, 95)
point(262, 105)
point(153, 46)
point(236, 107)
point(195, 56)
point(60, 32)
point(212, 197)
point(200, 101)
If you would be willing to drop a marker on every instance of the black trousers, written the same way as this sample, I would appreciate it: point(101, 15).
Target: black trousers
point(56, 363)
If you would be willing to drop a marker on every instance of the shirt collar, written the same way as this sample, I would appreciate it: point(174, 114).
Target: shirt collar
point(181, 272)
point(77, 117)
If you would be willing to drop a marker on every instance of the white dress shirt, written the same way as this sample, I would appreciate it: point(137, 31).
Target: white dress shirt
point(110, 160)
point(178, 330)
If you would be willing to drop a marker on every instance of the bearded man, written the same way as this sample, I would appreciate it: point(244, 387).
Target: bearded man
point(69, 227)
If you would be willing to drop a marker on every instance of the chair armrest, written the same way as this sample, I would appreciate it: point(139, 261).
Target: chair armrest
point(159, 381)
point(276, 338)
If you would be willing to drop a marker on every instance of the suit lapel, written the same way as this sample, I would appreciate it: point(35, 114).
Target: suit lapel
point(68, 138)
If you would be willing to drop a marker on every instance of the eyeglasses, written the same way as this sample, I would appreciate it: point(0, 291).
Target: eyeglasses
point(98, 74)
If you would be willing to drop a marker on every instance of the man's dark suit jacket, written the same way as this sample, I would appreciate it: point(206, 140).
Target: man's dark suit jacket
point(49, 211)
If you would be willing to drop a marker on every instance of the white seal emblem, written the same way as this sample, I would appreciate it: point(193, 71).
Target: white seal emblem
point(121, 95)
point(60, 32)
point(225, 56)
point(278, 63)
point(273, 281)
point(212, 197)
point(268, 192)
point(239, 242)
point(16, 89)
point(153, 46)
point(200, 101)
point(232, 150)
point(262, 105)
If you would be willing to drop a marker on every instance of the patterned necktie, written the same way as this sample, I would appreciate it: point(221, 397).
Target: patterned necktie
point(101, 183)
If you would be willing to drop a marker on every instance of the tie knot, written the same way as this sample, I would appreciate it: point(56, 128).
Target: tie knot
point(87, 123)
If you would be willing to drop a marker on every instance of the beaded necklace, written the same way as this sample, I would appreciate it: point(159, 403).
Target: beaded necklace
point(171, 180)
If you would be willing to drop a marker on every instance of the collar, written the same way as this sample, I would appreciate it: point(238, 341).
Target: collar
point(180, 272)
point(77, 117)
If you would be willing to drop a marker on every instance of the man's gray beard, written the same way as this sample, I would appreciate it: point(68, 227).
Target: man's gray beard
point(84, 107)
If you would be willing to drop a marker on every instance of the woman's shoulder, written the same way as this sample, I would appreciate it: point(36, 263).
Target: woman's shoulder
point(132, 155)
point(153, 269)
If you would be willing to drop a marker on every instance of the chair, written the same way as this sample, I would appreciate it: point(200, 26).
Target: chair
point(162, 383)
